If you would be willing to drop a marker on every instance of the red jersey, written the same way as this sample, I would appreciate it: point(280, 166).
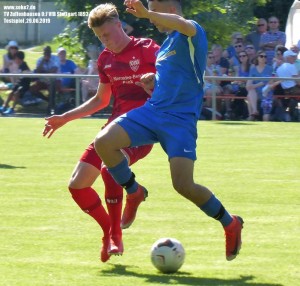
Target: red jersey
point(124, 69)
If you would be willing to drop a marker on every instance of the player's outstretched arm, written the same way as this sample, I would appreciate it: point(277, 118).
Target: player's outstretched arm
point(97, 102)
point(169, 21)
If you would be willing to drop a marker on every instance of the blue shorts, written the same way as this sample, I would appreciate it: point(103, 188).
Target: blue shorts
point(177, 135)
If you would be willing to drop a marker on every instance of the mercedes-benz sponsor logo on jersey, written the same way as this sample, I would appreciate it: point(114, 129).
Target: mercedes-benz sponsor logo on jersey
point(134, 64)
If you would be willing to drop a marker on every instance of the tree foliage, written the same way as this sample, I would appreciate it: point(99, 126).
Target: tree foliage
point(220, 18)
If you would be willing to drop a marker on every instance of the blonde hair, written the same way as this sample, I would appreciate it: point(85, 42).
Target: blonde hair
point(101, 14)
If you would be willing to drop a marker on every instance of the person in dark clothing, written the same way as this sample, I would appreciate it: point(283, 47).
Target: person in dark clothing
point(20, 87)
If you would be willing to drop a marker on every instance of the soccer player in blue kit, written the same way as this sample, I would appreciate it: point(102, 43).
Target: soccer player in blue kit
point(169, 117)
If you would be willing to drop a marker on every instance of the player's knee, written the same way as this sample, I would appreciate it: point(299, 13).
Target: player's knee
point(101, 142)
point(73, 184)
point(76, 184)
point(180, 187)
point(183, 186)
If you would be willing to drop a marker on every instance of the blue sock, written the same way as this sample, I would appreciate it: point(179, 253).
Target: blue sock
point(215, 209)
point(122, 175)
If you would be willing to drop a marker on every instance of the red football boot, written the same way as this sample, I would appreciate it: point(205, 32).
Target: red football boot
point(132, 203)
point(115, 245)
point(233, 237)
point(104, 256)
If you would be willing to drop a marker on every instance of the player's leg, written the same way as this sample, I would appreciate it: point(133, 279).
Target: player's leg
point(84, 175)
point(113, 199)
point(114, 196)
point(182, 170)
point(128, 130)
point(182, 178)
point(179, 141)
point(108, 144)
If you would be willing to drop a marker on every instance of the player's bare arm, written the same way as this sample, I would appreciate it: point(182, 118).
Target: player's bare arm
point(170, 20)
point(99, 101)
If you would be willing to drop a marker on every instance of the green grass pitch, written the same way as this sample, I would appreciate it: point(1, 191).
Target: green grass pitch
point(253, 168)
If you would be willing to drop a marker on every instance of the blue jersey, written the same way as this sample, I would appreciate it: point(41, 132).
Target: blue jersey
point(180, 66)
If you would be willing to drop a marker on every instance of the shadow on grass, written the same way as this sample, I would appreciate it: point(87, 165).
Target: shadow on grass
point(181, 278)
point(4, 166)
point(236, 122)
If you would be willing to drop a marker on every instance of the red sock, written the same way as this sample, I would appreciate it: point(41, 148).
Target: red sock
point(113, 198)
point(89, 201)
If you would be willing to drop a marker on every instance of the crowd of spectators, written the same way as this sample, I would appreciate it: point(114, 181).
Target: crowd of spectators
point(31, 91)
point(261, 53)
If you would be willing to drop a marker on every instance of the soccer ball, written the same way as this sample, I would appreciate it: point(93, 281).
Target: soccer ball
point(167, 255)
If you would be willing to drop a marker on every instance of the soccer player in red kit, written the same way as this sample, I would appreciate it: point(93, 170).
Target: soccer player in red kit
point(121, 64)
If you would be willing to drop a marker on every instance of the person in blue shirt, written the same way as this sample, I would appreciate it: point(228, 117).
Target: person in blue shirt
point(254, 87)
point(66, 66)
point(169, 117)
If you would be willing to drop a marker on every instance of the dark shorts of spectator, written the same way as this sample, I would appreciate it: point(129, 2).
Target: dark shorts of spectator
point(295, 90)
point(20, 89)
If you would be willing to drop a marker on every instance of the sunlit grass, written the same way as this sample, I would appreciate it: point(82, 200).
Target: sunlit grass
point(47, 240)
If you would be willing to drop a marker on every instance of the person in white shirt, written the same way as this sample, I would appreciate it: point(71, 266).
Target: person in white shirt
point(290, 87)
point(289, 69)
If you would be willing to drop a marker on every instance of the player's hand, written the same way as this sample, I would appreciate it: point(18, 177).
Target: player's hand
point(52, 124)
point(147, 82)
point(136, 8)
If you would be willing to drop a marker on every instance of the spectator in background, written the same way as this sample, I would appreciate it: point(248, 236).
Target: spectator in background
point(254, 87)
point(267, 99)
point(93, 51)
point(270, 39)
point(253, 38)
point(236, 38)
point(48, 63)
point(278, 59)
point(9, 65)
point(234, 60)
point(222, 64)
point(209, 85)
point(67, 67)
point(235, 109)
point(295, 49)
point(251, 52)
point(243, 69)
point(244, 64)
point(89, 85)
point(20, 87)
point(288, 69)
point(238, 106)
point(290, 87)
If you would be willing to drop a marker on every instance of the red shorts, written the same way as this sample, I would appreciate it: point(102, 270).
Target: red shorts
point(91, 157)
